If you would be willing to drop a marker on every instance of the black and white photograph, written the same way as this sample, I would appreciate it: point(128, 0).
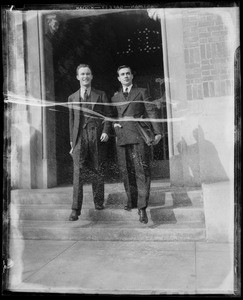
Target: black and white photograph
point(121, 149)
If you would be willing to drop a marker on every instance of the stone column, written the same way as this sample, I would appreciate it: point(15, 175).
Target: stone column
point(17, 108)
point(34, 87)
point(176, 98)
point(40, 87)
point(48, 25)
point(29, 87)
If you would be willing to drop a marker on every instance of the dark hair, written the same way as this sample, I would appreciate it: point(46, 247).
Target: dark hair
point(83, 66)
point(122, 67)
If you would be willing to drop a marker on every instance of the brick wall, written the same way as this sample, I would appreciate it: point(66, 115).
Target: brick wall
point(207, 55)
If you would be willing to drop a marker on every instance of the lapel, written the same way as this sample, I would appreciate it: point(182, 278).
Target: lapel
point(131, 97)
point(93, 97)
point(76, 99)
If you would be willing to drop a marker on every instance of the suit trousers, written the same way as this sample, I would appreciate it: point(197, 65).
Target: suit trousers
point(134, 163)
point(86, 168)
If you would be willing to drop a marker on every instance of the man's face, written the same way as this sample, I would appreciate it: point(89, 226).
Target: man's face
point(84, 76)
point(125, 76)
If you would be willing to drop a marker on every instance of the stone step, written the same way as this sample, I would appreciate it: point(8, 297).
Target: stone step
point(174, 214)
point(115, 200)
point(115, 231)
point(158, 214)
point(160, 197)
point(161, 194)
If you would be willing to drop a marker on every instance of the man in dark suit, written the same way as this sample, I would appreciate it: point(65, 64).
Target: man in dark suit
point(88, 136)
point(131, 105)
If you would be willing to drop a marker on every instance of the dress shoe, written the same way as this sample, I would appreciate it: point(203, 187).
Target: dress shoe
point(143, 218)
point(99, 206)
point(74, 215)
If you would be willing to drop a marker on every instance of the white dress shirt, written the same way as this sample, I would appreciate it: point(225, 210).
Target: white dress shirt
point(127, 87)
point(82, 91)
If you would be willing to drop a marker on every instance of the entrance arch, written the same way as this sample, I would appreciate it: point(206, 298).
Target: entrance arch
point(105, 42)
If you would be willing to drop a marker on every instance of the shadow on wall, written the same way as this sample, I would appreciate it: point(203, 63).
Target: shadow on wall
point(197, 163)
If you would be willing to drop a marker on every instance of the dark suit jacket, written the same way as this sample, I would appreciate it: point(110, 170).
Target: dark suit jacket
point(76, 117)
point(136, 107)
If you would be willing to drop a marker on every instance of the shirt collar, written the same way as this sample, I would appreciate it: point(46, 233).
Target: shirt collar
point(129, 88)
point(82, 90)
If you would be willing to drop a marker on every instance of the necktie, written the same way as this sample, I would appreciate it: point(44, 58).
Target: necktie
point(126, 92)
point(85, 99)
point(85, 96)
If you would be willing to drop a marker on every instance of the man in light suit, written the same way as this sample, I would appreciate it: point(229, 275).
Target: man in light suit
point(133, 103)
point(88, 136)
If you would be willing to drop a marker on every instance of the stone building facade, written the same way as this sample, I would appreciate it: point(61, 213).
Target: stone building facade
point(198, 60)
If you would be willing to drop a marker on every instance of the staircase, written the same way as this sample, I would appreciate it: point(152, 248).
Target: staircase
point(175, 214)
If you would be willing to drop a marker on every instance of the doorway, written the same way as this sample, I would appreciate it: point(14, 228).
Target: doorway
point(105, 42)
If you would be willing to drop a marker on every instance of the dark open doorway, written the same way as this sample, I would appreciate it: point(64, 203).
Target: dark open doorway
point(105, 42)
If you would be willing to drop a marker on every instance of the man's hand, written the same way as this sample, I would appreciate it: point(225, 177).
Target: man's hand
point(157, 138)
point(104, 137)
